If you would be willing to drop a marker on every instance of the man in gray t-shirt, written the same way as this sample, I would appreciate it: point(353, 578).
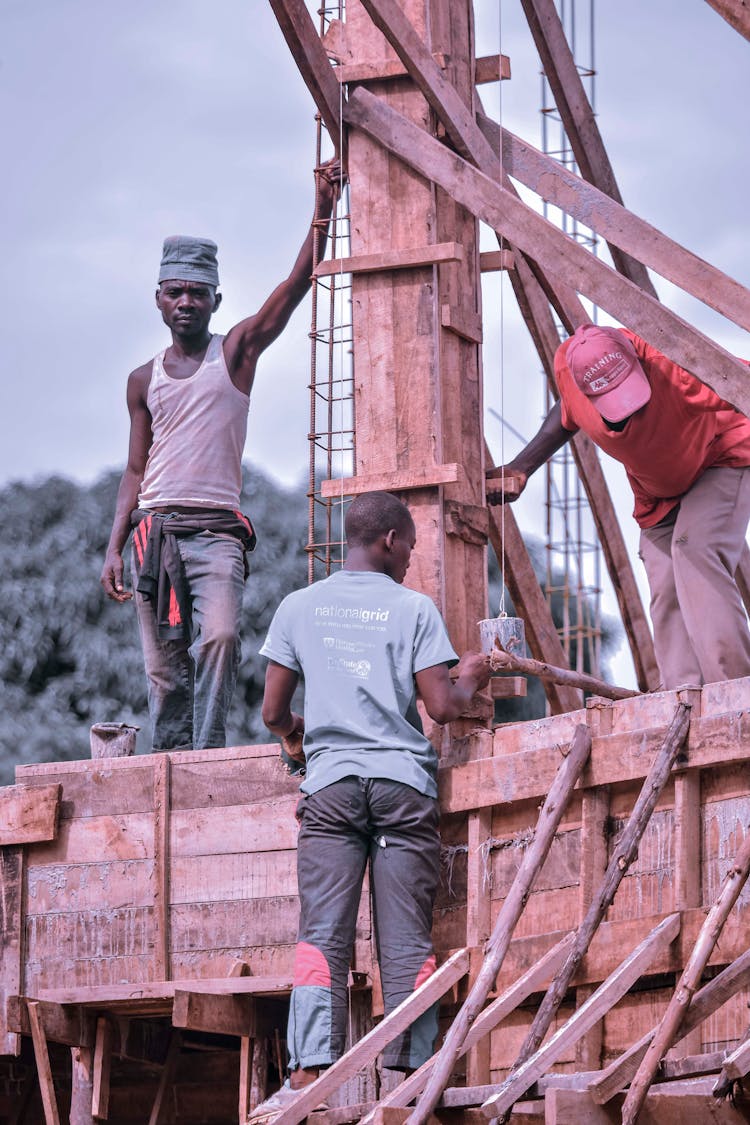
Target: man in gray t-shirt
point(365, 645)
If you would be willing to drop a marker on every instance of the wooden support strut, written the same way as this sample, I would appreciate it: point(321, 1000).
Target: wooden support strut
point(553, 251)
point(373, 1043)
point(44, 1070)
point(551, 814)
point(622, 857)
point(595, 1008)
point(710, 998)
point(674, 1016)
point(531, 981)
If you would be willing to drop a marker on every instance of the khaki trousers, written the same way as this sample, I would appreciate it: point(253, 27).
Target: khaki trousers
point(700, 628)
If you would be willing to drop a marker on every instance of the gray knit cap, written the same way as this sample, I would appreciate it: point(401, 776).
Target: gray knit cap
point(186, 258)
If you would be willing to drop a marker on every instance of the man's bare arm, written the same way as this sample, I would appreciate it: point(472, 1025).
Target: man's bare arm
point(446, 699)
point(130, 483)
point(277, 714)
point(247, 340)
point(551, 436)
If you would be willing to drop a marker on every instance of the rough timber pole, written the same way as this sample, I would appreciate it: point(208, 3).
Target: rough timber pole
point(418, 385)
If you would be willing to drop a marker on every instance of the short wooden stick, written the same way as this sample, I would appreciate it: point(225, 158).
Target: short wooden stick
point(711, 929)
point(550, 816)
point(503, 661)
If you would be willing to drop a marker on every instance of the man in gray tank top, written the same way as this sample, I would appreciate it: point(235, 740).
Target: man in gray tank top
point(181, 486)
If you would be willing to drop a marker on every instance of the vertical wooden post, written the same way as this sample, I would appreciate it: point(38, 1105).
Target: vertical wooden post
point(161, 867)
point(418, 393)
point(12, 864)
point(82, 1086)
point(102, 1065)
point(44, 1070)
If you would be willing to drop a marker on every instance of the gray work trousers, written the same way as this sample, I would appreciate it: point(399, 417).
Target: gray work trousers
point(343, 827)
point(700, 629)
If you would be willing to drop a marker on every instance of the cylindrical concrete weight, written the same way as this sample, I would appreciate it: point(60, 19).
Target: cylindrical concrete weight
point(112, 740)
point(505, 633)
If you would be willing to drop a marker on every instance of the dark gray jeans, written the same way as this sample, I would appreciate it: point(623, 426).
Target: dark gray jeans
point(342, 827)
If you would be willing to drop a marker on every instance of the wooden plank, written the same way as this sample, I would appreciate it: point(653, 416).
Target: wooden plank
point(43, 1068)
point(508, 687)
point(733, 1066)
point(594, 823)
point(464, 322)
point(708, 1000)
point(376, 71)
point(619, 757)
point(69, 1024)
point(492, 261)
point(478, 919)
point(578, 116)
point(406, 258)
point(605, 997)
point(735, 12)
point(553, 251)
point(215, 1012)
point(426, 477)
point(491, 68)
point(97, 837)
point(61, 888)
point(608, 218)
point(102, 1068)
point(310, 56)
point(244, 875)
point(12, 863)
point(264, 826)
point(28, 813)
point(164, 990)
point(161, 867)
point(665, 1106)
point(373, 1043)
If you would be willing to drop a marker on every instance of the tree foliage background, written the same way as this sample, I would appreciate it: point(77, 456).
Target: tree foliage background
point(69, 657)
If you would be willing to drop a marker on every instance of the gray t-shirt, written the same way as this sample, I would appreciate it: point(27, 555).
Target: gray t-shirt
point(358, 638)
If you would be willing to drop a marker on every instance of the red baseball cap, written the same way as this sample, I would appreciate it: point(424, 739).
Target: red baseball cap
point(605, 367)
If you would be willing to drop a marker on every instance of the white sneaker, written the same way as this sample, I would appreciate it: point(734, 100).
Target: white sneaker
point(272, 1107)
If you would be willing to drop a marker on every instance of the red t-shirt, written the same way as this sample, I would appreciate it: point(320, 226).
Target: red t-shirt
point(684, 429)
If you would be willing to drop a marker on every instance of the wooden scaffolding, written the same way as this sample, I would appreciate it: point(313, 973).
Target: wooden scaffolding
point(591, 926)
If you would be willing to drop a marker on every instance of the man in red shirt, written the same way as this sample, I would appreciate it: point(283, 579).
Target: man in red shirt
point(687, 457)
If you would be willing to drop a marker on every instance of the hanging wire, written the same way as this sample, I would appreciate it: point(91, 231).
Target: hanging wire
point(501, 611)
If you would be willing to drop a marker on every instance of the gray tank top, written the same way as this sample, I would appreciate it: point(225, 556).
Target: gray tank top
point(199, 427)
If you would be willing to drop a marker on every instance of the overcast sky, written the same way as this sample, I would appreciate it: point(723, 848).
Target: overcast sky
point(127, 122)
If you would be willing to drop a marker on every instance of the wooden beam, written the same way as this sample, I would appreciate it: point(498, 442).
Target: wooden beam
point(705, 1002)
point(554, 183)
point(578, 117)
point(463, 322)
point(735, 12)
point(310, 56)
point(668, 1104)
point(102, 1068)
point(411, 258)
point(111, 995)
point(12, 863)
point(491, 68)
point(29, 813)
point(552, 811)
point(377, 71)
point(161, 799)
point(734, 1066)
point(529, 982)
point(43, 1068)
point(674, 1016)
point(492, 261)
point(508, 687)
point(598, 1004)
point(373, 1043)
point(427, 477)
point(554, 252)
point(217, 1013)
point(69, 1024)
point(506, 661)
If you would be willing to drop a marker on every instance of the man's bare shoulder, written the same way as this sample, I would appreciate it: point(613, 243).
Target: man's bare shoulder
point(138, 381)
